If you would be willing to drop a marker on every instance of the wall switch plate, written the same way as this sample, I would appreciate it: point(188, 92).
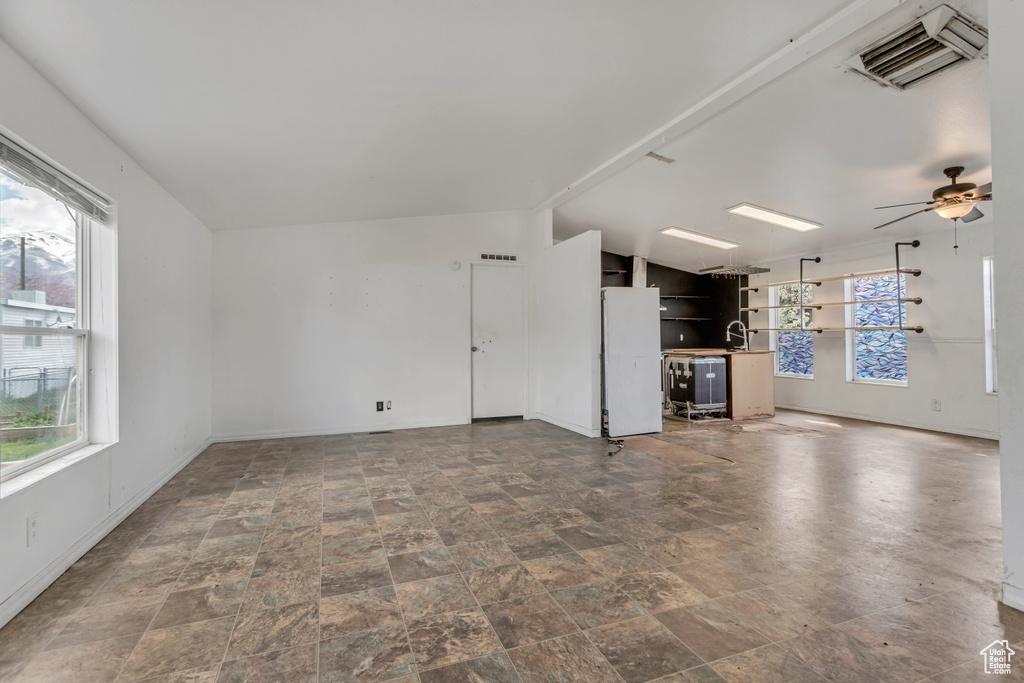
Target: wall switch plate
point(936, 405)
point(389, 405)
point(31, 529)
point(380, 406)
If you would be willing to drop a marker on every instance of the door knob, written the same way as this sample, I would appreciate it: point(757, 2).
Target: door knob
point(474, 348)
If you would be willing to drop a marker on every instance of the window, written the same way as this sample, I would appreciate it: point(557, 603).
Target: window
point(988, 270)
point(45, 223)
point(794, 351)
point(33, 340)
point(877, 353)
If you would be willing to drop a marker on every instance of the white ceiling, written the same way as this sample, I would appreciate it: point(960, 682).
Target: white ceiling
point(263, 112)
point(818, 143)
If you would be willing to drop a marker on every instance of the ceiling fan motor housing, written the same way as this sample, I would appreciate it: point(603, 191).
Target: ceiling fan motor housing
point(952, 191)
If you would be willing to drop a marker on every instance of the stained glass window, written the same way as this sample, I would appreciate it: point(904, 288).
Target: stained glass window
point(794, 351)
point(879, 354)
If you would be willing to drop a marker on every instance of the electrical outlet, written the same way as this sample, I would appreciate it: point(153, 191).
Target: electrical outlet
point(936, 405)
point(31, 529)
point(389, 405)
point(680, 337)
point(380, 406)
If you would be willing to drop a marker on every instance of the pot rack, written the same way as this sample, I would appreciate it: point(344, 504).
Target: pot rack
point(900, 300)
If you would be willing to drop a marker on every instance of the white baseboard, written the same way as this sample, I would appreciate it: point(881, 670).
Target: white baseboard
point(963, 431)
point(1013, 596)
point(564, 424)
point(30, 590)
point(348, 429)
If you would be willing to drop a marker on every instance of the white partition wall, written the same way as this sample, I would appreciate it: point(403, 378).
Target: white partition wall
point(568, 334)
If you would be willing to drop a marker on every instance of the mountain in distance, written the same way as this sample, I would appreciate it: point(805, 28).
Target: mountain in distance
point(49, 265)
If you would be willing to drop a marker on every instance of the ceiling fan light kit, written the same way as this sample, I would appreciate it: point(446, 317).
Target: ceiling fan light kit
point(706, 240)
point(774, 217)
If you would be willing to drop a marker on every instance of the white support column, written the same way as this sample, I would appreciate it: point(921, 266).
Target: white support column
point(1006, 21)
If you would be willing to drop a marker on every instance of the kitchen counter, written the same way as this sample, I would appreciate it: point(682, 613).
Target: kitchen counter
point(751, 380)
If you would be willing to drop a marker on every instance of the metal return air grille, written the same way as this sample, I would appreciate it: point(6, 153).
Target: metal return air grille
point(937, 41)
point(498, 257)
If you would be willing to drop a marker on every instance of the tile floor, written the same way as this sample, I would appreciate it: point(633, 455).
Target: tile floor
point(507, 551)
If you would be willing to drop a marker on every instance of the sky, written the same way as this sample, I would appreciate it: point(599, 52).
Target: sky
point(26, 209)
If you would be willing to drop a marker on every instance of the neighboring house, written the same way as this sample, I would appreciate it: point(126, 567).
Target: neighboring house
point(34, 362)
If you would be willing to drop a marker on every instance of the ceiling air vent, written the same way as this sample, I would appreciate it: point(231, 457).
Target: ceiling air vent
point(937, 41)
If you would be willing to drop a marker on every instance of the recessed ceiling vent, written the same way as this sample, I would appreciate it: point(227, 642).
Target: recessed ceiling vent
point(939, 40)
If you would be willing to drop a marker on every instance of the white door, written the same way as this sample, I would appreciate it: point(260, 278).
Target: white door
point(498, 341)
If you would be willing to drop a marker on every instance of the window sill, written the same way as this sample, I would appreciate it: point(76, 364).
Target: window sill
point(879, 382)
point(783, 375)
point(20, 482)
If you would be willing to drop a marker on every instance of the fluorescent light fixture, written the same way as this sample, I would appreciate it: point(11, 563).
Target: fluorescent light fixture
point(773, 217)
point(706, 240)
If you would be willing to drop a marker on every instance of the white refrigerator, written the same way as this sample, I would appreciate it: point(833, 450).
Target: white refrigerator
point(631, 360)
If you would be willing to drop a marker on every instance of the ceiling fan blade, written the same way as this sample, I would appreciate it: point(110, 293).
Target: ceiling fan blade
point(984, 189)
point(893, 206)
point(972, 216)
point(902, 217)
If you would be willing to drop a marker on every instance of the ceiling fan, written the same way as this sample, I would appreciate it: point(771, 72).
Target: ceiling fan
point(953, 201)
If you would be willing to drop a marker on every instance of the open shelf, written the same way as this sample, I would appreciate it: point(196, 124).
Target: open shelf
point(909, 300)
point(817, 281)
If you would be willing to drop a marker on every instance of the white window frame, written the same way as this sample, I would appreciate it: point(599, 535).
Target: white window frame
point(96, 259)
point(851, 337)
point(773, 337)
point(989, 293)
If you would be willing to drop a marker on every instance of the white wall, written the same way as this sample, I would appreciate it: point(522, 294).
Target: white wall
point(163, 306)
point(1007, 56)
point(568, 334)
point(315, 324)
point(946, 362)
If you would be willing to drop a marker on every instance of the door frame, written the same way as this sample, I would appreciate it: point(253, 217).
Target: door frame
point(524, 270)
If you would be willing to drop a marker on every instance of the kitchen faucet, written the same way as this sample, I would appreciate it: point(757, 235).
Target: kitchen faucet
point(729, 334)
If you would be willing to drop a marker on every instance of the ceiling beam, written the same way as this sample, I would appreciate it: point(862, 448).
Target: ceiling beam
point(851, 18)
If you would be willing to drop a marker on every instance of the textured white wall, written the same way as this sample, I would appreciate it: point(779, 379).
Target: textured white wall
point(314, 324)
point(163, 305)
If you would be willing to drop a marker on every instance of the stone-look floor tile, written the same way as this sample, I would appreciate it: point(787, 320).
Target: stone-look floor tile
point(504, 582)
point(714, 541)
point(292, 538)
point(714, 577)
point(238, 545)
point(699, 674)
point(200, 604)
point(354, 576)
point(668, 550)
point(445, 515)
point(529, 619)
point(421, 564)
point(825, 599)
point(158, 557)
point(391, 506)
point(238, 525)
point(93, 661)
point(514, 525)
point(103, 622)
point(278, 590)
point(24, 636)
point(294, 665)
point(377, 654)
point(282, 560)
point(274, 629)
point(771, 664)
point(352, 612)
point(344, 550)
point(182, 538)
point(587, 536)
point(659, 590)
point(347, 528)
point(434, 596)
point(178, 648)
point(560, 571)
point(131, 584)
point(541, 544)
point(468, 532)
point(617, 560)
point(710, 630)
point(448, 638)
point(401, 541)
point(203, 674)
point(677, 521)
point(561, 517)
point(481, 555)
point(210, 573)
point(642, 649)
point(567, 659)
point(494, 668)
point(597, 604)
point(842, 658)
point(771, 614)
point(769, 566)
